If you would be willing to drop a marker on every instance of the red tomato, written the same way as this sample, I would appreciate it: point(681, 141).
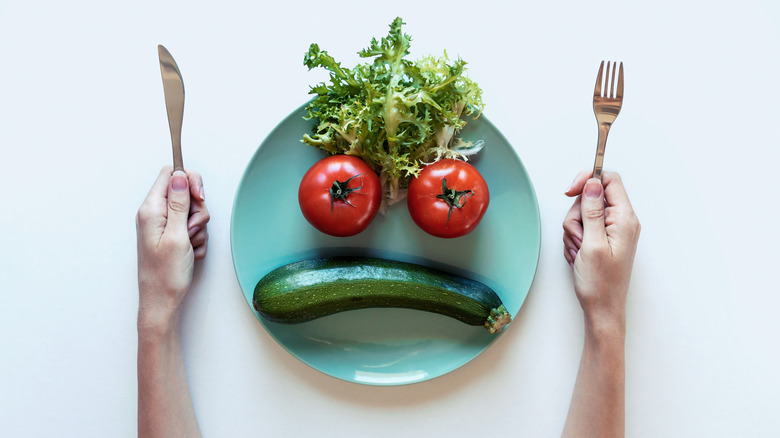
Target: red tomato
point(340, 195)
point(448, 198)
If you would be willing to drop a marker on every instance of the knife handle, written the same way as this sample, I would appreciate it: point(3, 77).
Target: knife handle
point(178, 162)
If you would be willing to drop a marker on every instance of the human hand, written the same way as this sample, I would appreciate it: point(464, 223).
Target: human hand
point(172, 235)
point(600, 240)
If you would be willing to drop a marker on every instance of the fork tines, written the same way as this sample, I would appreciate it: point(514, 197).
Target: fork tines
point(608, 81)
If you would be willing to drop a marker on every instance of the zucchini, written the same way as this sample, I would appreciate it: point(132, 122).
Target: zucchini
point(314, 288)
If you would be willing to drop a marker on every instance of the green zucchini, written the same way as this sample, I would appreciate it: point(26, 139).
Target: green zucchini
point(311, 289)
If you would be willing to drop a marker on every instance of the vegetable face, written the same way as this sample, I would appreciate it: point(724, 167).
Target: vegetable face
point(448, 199)
point(340, 195)
point(311, 289)
point(394, 113)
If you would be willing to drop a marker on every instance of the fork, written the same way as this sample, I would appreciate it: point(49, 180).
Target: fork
point(606, 106)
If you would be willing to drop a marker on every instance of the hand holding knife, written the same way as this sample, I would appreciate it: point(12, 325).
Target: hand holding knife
point(198, 215)
point(172, 236)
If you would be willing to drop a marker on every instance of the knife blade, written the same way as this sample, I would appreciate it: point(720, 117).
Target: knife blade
point(173, 86)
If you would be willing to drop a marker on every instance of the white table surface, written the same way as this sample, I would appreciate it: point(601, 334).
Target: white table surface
point(83, 133)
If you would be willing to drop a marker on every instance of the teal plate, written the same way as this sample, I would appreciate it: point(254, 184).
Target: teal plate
point(385, 346)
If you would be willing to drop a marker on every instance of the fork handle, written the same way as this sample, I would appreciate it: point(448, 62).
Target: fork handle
point(597, 166)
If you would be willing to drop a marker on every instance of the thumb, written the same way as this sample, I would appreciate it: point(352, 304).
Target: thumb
point(593, 211)
point(178, 200)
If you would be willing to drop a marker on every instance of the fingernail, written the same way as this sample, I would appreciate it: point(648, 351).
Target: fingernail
point(194, 230)
point(179, 181)
point(571, 185)
point(593, 189)
point(202, 193)
point(573, 253)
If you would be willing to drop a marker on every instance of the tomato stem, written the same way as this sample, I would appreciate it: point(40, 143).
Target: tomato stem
point(340, 190)
point(453, 197)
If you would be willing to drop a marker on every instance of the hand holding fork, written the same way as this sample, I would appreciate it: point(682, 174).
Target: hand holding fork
point(600, 238)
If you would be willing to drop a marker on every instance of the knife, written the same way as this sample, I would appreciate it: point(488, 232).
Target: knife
point(173, 87)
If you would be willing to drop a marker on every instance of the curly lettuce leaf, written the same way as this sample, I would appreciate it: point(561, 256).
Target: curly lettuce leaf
point(397, 115)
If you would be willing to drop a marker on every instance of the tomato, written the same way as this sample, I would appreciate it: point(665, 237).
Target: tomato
point(340, 195)
point(448, 198)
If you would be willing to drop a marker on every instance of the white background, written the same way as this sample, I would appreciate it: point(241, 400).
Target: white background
point(83, 134)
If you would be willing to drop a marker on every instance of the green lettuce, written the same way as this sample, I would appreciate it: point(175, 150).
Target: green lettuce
point(397, 115)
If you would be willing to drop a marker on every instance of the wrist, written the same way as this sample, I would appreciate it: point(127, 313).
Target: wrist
point(158, 306)
point(605, 327)
point(154, 322)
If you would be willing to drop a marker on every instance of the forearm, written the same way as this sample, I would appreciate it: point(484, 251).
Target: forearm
point(164, 404)
point(598, 403)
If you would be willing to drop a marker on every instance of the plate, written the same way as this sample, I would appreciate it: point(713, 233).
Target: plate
point(385, 346)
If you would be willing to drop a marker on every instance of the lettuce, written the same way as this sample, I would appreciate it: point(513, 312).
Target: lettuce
point(395, 114)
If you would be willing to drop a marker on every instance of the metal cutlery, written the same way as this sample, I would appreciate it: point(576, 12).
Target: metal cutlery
point(606, 106)
point(173, 86)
